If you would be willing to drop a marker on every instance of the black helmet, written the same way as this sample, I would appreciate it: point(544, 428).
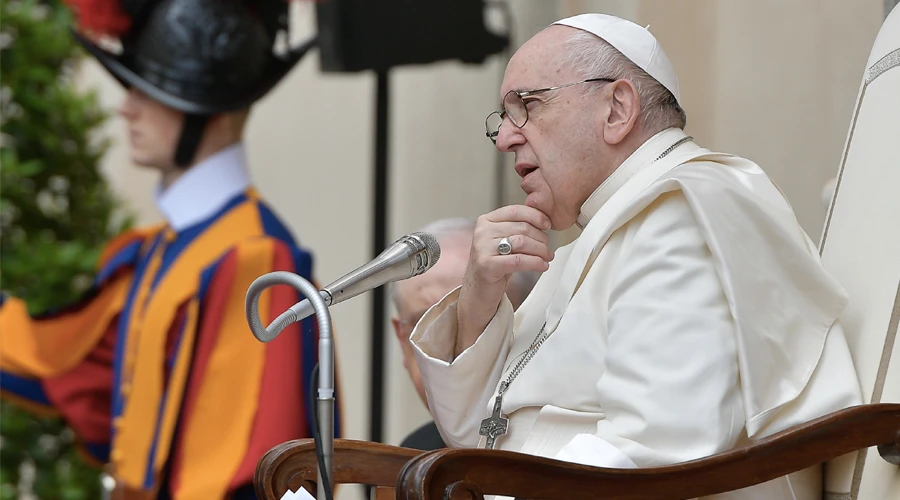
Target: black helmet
point(202, 57)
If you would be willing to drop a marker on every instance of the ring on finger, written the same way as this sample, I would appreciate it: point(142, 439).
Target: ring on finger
point(504, 247)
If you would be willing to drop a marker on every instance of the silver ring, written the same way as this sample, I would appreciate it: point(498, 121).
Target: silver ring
point(504, 246)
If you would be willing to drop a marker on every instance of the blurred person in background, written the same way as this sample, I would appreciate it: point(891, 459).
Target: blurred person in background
point(413, 297)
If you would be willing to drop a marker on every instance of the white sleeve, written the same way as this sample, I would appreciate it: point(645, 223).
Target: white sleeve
point(458, 389)
point(670, 389)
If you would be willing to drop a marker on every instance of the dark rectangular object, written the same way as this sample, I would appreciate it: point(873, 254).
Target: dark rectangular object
point(357, 35)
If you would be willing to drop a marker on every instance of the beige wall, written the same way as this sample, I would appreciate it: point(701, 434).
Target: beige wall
point(772, 80)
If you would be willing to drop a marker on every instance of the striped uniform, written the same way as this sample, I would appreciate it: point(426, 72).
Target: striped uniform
point(156, 369)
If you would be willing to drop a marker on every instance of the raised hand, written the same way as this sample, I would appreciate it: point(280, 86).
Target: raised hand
point(509, 239)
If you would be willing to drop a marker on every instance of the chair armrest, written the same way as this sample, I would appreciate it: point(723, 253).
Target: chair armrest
point(478, 472)
point(293, 464)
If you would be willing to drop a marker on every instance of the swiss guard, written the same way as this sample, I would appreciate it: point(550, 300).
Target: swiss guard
point(155, 368)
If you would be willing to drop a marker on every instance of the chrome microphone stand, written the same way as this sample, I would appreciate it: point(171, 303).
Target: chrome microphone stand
point(325, 396)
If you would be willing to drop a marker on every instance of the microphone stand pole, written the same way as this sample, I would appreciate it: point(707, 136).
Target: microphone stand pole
point(325, 396)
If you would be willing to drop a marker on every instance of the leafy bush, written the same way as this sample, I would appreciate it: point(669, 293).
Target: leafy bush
point(56, 212)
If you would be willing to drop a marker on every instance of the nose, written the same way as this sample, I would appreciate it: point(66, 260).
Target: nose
point(509, 136)
point(128, 108)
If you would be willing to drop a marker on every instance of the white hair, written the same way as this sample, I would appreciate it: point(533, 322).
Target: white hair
point(453, 226)
point(592, 57)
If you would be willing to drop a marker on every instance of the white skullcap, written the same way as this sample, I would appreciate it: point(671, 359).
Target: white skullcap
point(634, 42)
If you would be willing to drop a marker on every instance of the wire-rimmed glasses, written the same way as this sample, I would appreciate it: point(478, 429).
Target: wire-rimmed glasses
point(515, 108)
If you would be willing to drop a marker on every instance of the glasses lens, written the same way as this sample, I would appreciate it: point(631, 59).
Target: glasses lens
point(492, 124)
point(515, 108)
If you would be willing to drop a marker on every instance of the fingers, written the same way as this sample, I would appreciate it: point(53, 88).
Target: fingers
point(520, 213)
point(517, 232)
point(521, 227)
point(515, 262)
point(527, 245)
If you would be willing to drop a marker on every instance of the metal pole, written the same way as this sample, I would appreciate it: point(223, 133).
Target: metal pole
point(379, 242)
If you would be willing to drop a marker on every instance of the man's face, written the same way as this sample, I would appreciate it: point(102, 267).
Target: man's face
point(153, 130)
point(416, 295)
point(559, 147)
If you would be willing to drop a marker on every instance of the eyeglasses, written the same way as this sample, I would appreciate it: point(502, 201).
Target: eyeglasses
point(514, 107)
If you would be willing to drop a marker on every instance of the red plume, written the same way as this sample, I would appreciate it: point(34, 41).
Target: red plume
point(100, 17)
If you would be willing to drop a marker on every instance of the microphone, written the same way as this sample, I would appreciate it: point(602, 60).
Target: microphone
point(409, 256)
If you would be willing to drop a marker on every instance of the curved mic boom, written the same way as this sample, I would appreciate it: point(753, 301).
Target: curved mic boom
point(409, 256)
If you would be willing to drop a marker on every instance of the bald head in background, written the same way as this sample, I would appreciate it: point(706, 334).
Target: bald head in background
point(413, 297)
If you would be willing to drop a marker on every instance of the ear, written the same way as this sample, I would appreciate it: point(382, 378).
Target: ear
point(624, 110)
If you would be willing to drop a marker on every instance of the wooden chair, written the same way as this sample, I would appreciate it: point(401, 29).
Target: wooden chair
point(293, 464)
point(860, 246)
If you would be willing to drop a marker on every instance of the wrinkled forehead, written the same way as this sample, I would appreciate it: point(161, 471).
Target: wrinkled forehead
point(539, 62)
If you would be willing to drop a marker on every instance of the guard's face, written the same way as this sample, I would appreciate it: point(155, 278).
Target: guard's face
point(153, 130)
point(558, 147)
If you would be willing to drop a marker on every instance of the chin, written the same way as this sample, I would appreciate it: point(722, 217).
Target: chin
point(138, 157)
point(533, 201)
point(144, 161)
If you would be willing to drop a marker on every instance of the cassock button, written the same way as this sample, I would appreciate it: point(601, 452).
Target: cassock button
point(126, 389)
point(118, 424)
point(115, 455)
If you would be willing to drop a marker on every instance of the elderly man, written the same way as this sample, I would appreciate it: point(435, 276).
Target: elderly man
point(414, 296)
point(691, 315)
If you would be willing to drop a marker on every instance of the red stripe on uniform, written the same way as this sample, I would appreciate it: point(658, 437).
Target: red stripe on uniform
point(208, 334)
point(280, 415)
point(83, 395)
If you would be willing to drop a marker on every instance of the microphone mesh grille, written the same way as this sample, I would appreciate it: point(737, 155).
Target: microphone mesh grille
point(431, 247)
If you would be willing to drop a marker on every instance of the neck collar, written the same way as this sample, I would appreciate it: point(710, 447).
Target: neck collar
point(204, 188)
point(651, 150)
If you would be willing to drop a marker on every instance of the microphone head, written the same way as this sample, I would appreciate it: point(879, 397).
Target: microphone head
point(428, 251)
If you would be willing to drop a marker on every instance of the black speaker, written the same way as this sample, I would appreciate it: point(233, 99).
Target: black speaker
point(357, 35)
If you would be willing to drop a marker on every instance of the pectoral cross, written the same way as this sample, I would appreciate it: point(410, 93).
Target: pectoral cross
point(495, 425)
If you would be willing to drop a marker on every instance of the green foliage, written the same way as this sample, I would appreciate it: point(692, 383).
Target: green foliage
point(48, 449)
point(56, 212)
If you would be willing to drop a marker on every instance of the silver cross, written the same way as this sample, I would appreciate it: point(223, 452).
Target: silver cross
point(495, 425)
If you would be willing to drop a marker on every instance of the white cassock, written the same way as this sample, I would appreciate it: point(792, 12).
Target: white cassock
point(691, 315)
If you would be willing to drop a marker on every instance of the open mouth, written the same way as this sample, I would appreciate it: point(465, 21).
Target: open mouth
point(524, 170)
